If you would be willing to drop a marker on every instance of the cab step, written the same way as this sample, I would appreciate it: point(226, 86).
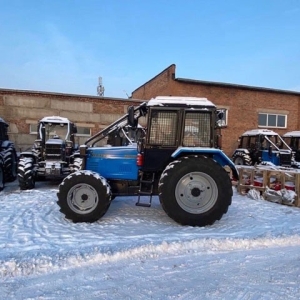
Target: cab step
point(146, 189)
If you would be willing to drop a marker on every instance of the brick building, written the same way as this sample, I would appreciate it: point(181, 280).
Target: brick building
point(22, 109)
point(246, 107)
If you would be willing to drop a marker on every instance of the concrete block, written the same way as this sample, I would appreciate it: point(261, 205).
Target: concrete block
point(109, 118)
point(72, 106)
point(28, 113)
point(12, 128)
point(27, 102)
point(80, 117)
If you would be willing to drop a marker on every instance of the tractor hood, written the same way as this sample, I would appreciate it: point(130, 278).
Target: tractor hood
point(55, 142)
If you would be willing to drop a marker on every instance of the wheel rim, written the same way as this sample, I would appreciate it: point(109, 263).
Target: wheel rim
point(82, 198)
point(239, 161)
point(196, 192)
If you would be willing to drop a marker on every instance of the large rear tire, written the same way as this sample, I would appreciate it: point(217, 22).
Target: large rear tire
point(10, 165)
point(26, 173)
point(195, 191)
point(1, 176)
point(84, 196)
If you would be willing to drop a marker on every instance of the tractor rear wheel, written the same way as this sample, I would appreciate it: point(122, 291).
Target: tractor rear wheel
point(26, 173)
point(84, 196)
point(195, 191)
point(241, 158)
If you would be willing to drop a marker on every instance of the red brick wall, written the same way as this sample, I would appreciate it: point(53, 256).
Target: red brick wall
point(243, 103)
point(160, 84)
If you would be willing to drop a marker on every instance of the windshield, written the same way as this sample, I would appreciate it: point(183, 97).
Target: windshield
point(276, 142)
point(56, 130)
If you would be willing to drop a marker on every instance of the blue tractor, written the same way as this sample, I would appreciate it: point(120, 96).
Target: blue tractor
point(262, 146)
point(177, 157)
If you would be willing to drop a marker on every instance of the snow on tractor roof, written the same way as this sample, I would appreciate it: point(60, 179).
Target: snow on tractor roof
point(292, 134)
point(2, 121)
point(259, 131)
point(169, 100)
point(55, 119)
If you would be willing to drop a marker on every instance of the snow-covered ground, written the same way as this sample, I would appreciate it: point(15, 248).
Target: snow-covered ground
point(133, 252)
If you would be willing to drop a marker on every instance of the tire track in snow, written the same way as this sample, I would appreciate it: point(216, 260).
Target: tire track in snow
point(44, 264)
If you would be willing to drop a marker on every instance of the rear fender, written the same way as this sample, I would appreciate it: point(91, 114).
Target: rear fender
point(218, 155)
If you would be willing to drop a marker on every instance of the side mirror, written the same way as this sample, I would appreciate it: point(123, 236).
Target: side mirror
point(220, 114)
point(220, 123)
point(132, 121)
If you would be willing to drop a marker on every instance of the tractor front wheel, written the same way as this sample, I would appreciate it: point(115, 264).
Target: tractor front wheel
point(195, 191)
point(10, 165)
point(84, 196)
point(241, 158)
point(26, 173)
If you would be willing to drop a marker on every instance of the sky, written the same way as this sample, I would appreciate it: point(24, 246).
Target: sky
point(139, 253)
point(65, 46)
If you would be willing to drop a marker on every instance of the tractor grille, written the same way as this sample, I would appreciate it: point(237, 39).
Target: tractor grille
point(285, 159)
point(53, 151)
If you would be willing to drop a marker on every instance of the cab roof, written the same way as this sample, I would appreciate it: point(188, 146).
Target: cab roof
point(177, 100)
point(292, 134)
point(55, 119)
point(259, 131)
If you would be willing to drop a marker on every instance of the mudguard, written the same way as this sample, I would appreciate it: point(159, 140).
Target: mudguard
point(6, 144)
point(218, 155)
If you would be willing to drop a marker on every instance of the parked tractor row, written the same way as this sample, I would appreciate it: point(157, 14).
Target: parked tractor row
point(263, 146)
point(177, 157)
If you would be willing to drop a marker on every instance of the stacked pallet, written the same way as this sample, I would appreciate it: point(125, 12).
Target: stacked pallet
point(263, 178)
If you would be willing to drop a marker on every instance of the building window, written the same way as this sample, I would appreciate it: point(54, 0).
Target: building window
point(272, 120)
point(33, 128)
point(83, 131)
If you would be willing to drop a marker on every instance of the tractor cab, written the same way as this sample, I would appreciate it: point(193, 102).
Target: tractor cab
point(262, 145)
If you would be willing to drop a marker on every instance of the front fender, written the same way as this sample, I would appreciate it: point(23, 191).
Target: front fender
point(28, 154)
point(241, 150)
point(218, 155)
point(6, 144)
